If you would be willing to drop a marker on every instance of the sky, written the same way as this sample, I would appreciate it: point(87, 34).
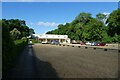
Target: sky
point(45, 16)
point(59, 0)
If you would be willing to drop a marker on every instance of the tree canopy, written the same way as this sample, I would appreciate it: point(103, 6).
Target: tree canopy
point(17, 28)
point(86, 28)
point(114, 23)
point(101, 17)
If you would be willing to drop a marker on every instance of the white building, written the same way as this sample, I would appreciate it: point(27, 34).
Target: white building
point(46, 38)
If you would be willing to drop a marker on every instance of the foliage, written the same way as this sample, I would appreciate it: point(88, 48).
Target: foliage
point(83, 17)
point(116, 38)
point(114, 23)
point(10, 46)
point(96, 30)
point(31, 31)
point(15, 34)
point(7, 44)
point(19, 26)
point(106, 38)
point(86, 28)
point(9, 57)
point(101, 17)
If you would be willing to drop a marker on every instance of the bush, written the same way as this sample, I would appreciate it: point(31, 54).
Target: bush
point(7, 47)
point(10, 48)
point(10, 53)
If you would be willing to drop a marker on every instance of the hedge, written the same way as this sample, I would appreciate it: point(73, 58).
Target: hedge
point(11, 53)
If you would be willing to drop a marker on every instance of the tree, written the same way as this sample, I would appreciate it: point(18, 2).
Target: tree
point(97, 30)
point(86, 28)
point(83, 17)
point(114, 23)
point(31, 31)
point(15, 34)
point(20, 25)
point(101, 17)
point(61, 29)
point(7, 42)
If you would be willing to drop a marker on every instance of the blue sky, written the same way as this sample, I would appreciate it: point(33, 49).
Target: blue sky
point(45, 16)
point(59, 0)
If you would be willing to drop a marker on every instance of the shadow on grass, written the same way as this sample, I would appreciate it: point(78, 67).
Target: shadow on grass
point(29, 66)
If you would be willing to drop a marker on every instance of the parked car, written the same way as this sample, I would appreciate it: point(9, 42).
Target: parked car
point(82, 43)
point(93, 44)
point(88, 43)
point(101, 44)
point(43, 42)
point(55, 42)
point(74, 42)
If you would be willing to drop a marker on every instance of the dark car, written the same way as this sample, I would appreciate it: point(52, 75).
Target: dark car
point(55, 42)
point(101, 44)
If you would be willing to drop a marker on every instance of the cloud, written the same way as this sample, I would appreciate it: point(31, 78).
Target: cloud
point(48, 24)
point(106, 13)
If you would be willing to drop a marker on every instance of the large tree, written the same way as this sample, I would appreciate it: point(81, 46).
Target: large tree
point(101, 17)
point(15, 34)
point(31, 31)
point(83, 17)
point(86, 28)
point(96, 30)
point(114, 23)
point(20, 25)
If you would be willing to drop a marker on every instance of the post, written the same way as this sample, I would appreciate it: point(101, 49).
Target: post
point(59, 41)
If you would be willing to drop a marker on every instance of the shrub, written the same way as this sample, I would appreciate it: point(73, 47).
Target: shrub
point(10, 54)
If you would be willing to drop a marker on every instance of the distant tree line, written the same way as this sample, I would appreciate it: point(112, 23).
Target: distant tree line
point(84, 27)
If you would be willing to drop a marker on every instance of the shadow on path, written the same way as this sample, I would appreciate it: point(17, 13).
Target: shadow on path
point(29, 66)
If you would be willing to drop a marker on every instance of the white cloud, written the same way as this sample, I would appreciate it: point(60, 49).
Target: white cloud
point(48, 24)
point(106, 13)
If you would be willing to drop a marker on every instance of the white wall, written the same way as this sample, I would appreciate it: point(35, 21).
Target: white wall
point(51, 36)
